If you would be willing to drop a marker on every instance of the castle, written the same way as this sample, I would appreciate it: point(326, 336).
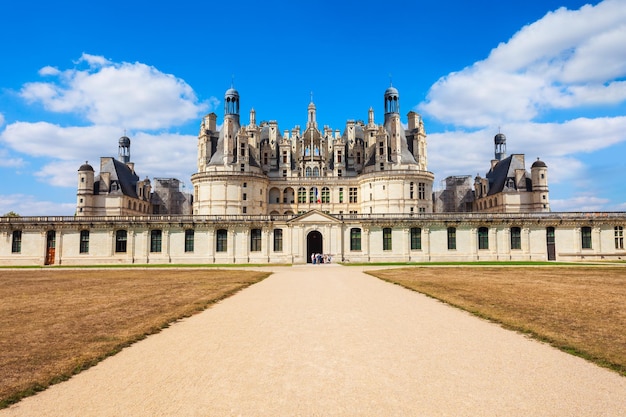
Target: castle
point(363, 194)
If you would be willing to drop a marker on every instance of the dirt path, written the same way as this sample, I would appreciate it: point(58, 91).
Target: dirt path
point(331, 341)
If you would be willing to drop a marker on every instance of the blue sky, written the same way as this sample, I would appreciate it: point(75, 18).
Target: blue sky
point(551, 75)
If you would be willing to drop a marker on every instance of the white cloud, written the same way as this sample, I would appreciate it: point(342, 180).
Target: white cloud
point(8, 162)
point(48, 70)
point(579, 203)
point(539, 69)
point(29, 205)
point(128, 95)
point(160, 155)
point(1, 119)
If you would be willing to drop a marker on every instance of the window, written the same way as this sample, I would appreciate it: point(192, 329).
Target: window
point(516, 238)
point(278, 240)
point(483, 238)
point(619, 237)
point(84, 241)
point(341, 195)
point(301, 195)
point(353, 195)
point(308, 172)
point(339, 157)
point(585, 234)
point(156, 237)
point(421, 191)
point(255, 240)
point(387, 238)
point(245, 197)
point(358, 157)
point(339, 173)
point(416, 238)
point(316, 172)
point(120, 241)
point(451, 238)
point(242, 150)
point(313, 195)
point(325, 195)
point(284, 172)
point(221, 240)
point(16, 242)
point(355, 238)
point(265, 158)
point(411, 190)
point(284, 157)
point(189, 240)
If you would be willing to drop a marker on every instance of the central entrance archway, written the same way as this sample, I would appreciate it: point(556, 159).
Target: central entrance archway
point(314, 244)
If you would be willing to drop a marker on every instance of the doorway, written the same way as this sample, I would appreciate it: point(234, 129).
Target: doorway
point(314, 244)
point(51, 237)
point(551, 244)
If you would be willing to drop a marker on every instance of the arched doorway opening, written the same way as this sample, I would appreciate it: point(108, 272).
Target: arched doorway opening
point(314, 244)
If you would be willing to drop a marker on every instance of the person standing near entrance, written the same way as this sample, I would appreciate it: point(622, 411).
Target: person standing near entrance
point(313, 258)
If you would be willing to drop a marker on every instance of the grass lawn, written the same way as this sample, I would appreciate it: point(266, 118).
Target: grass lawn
point(55, 323)
point(580, 309)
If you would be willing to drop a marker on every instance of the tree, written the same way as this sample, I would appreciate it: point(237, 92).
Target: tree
point(11, 214)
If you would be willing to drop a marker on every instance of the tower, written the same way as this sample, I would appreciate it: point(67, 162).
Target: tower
point(84, 194)
point(124, 150)
point(500, 146)
point(539, 178)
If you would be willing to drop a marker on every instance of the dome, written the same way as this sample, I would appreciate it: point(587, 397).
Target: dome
point(539, 164)
point(85, 167)
point(125, 141)
point(391, 91)
point(499, 139)
point(231, 92)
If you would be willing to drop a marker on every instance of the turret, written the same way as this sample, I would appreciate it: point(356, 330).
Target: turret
point(84, 192)
point(539, 178)
point(500, 146)
point(124, 150)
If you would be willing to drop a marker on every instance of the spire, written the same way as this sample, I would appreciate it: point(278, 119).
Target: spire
point(312, 110)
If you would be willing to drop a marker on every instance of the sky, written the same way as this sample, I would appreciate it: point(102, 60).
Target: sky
point(76, 76)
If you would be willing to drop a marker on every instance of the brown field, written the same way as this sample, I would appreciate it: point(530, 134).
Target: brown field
point(54, 323)
point(581, 310)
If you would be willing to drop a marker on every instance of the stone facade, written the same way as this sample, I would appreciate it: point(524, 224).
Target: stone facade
point(262, 239)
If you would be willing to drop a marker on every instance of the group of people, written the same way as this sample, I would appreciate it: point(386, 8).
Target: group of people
point(319, 258)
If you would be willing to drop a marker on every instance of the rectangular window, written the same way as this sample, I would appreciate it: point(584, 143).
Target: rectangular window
point(358, 157)
point(619, 237)
point(411, 191)
point(585, 234)
point(245, 197)
point(120, 241)
point(156, 237)
point(451, 238)
point(516, 238)
point(341, 195)
point(421, 191)
point(387, 238)
point(339, 173)
point(339, 157)
point(284, 172)
point(265, 158)
point(353, 195)
point(221, 240)
point(16, 242)
point(278, 240)
point(416, 238)
point(189, 240)
point(355, 238)
point(84, 241)
point(255, 240)
point(284, 157)
point(483, 238)
point(242, 151)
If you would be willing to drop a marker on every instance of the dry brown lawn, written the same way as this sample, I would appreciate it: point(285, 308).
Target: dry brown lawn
point(54, 323)
point(581, 310)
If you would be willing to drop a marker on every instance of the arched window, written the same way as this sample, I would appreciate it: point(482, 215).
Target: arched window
point(316, 172)
point(307, 172)
point(313, 195)
point(301, 195)
point(325, 195)
point(483, 238)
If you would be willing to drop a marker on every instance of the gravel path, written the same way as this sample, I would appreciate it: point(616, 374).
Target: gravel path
point(328, 340)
